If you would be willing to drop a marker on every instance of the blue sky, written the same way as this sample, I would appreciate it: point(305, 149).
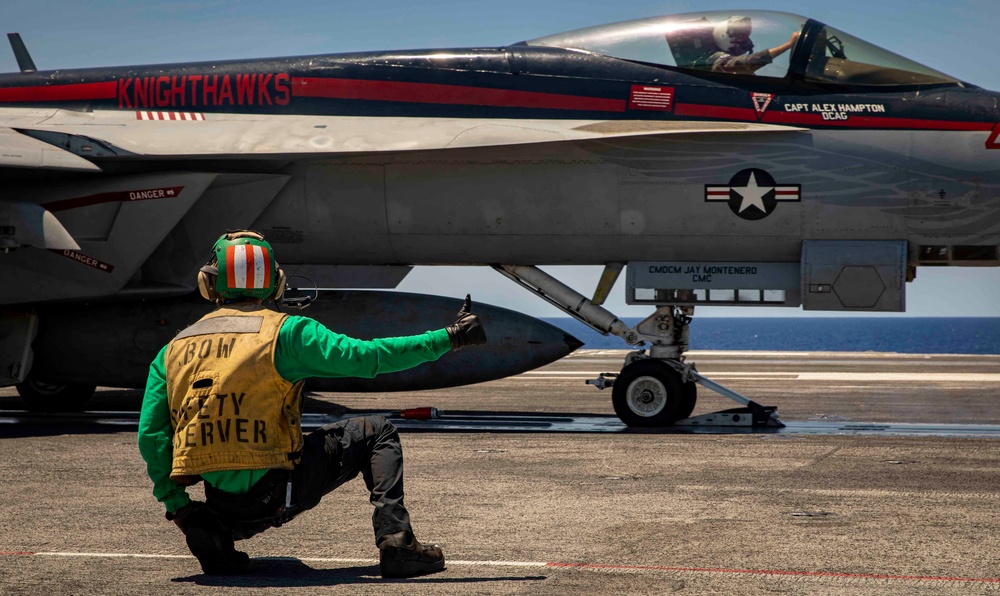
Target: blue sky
point(954, 37)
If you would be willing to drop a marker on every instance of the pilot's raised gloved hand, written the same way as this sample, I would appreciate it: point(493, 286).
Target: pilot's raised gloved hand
point(467, 330)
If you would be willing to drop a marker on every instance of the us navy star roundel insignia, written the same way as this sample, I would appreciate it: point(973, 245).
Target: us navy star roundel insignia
point(752, 193)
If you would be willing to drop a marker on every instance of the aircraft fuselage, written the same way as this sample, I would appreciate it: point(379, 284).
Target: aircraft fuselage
point(920, 164)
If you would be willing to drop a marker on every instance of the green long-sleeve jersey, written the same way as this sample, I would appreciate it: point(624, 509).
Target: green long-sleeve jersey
point(305, 349)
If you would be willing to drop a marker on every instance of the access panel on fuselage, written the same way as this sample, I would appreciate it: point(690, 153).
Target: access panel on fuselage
point(531, 203)
point(333, 212)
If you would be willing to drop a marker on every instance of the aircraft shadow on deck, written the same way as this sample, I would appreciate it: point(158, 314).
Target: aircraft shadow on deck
point(110, 400)
point(290, 572)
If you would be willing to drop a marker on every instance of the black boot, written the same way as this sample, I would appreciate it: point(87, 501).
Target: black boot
point(212, 544)
point(400, 555)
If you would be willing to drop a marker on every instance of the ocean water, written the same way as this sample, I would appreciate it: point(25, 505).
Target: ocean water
point(902, 335)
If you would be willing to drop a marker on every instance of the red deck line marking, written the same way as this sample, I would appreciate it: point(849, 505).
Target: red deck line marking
point(992, 580)
point(447, 94)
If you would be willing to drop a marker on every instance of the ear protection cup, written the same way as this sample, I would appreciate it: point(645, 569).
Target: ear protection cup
point(279, 285)
point(206, 284)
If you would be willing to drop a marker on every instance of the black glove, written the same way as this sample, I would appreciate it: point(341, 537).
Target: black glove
point(188, 513)
point(467, 330)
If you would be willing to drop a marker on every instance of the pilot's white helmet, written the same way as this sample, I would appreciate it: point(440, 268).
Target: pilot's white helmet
point(733, 35)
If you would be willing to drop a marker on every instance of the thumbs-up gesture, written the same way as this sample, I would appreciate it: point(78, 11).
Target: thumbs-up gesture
point(467, 330)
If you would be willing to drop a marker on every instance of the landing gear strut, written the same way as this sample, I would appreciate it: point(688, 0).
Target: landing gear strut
point(654, 389)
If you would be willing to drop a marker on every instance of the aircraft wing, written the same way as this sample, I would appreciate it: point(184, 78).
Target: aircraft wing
point(21, 151)
point(71, 232)
point(139, 134)
point(135, 233)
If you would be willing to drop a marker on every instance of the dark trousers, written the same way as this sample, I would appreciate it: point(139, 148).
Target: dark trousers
point(332, 455)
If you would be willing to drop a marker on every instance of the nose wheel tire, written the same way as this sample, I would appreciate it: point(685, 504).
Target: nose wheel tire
point(650, 393)
point(689, 397)
point(39, 396)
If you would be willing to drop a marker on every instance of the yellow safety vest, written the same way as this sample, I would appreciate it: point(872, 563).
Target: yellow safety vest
point(229, 407)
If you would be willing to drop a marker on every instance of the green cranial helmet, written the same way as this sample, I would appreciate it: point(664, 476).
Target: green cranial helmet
point(243, 267)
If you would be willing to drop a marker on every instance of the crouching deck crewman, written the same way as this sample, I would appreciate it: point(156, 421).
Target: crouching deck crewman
point(223, 404)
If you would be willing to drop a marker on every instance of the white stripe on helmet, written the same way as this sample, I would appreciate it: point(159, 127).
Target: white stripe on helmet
point(258, 267)
point(240, 265)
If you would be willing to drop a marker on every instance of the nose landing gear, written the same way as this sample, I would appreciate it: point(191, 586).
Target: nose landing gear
point(652, 392)
point(658, 389)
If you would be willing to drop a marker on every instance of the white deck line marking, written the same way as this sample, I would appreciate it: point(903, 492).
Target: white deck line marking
point(916, 377)
point(113, 555)
point(863, 355)
point(572, 374)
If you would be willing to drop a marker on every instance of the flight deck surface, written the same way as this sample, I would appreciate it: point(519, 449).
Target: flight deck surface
point(858, 506)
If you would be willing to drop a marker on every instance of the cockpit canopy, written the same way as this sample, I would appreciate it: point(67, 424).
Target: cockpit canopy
point(757, 43)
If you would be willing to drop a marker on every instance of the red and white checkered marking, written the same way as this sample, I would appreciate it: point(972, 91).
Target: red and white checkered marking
point(148, 115)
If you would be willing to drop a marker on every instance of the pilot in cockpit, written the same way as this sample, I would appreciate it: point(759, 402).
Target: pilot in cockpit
point(734, 49)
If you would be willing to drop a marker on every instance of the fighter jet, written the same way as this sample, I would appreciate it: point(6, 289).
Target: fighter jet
point(719, 158)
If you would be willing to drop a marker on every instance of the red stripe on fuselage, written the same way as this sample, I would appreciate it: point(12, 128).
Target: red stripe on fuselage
point(74, 92)
point(435, 93)
point(447, 94)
